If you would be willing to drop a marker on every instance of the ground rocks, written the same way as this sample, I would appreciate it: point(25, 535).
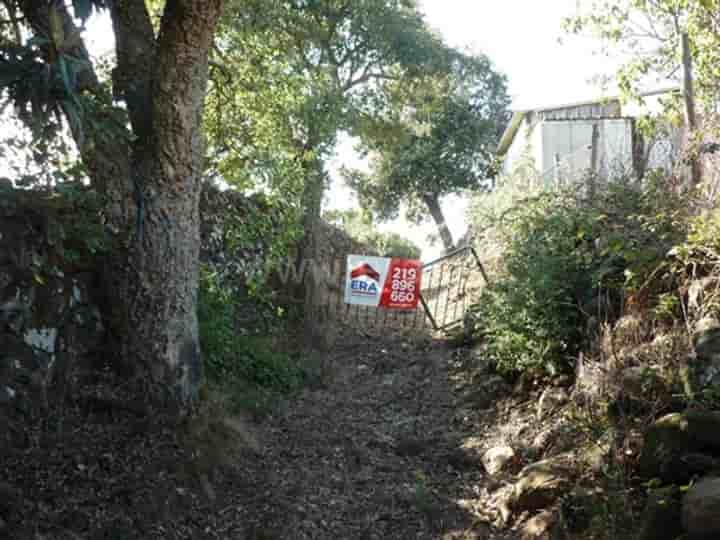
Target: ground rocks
point(496, 459)
point(486, 391)
point(674, 445)
point(560, 436)
point(701, 510)
point(541, 483)
point(544, 526)
point(641, 385)
point(662, 516)
point(706, 341)
point(10, 499)
point(550, 400)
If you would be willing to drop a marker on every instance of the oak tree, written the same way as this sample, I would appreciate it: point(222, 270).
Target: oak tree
point(441, 139)
point(140, 139)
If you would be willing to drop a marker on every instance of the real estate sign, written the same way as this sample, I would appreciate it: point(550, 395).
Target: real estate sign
point(391, 283)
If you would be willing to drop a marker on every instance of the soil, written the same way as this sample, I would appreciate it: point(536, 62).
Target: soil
point(389, 447)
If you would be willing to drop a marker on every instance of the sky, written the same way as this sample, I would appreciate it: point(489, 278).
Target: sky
point(522, 38)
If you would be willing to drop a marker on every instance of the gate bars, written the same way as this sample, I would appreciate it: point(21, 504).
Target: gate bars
point(457, 290)
point(449, 285)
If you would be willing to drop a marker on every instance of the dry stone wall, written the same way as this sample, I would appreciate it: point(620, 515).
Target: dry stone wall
point(50, 285)
point(49, 301)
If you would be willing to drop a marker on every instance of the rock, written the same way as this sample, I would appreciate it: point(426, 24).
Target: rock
point(550, 400)
point(541, 483)
point(674, 442)
point(462, 459)
point(207, 488)
point(706, 341)
point(557, 438)
point(662, 519)
point(487, 391)
point(411, 446)
point(495, 459)
point(544, 526)
point(641, 384)
point(701, 510)
point(525, 383)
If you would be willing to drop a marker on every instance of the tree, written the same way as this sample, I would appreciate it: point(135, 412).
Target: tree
point(677, 40)
point(328, 62)
point(139, 137)
point(441, 140)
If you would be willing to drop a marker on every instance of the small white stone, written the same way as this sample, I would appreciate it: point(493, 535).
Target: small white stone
point(497, 458)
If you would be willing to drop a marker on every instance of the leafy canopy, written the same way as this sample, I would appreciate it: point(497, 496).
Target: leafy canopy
point(289, 75)
point(647, 33)
point(439, 139)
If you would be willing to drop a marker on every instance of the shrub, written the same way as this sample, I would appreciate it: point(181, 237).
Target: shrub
point(230, 356)
point(360, 226)
point(567, 259)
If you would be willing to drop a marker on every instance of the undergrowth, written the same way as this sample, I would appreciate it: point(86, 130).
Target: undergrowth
point(569, 262)
point(251, 368)
point(614, 289)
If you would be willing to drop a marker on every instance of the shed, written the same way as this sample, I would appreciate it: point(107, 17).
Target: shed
point(567, 141)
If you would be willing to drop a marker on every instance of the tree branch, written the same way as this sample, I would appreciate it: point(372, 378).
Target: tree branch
point(135, 47)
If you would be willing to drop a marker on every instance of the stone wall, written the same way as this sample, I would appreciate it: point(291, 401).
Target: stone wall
point(50, 290)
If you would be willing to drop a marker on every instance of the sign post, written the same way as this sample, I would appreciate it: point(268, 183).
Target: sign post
point(390, 283)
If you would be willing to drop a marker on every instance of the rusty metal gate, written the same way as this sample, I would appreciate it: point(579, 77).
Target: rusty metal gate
point(450, 284)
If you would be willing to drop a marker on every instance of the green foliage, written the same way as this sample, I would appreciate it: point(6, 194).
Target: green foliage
point(702, 246)
point(288, 76)
point(647, 36)
point(568, 259)
point(394, 245)
point(360, 226)
point(231, 356)
point(439, 139)
point(43, 76)
point(74, 233)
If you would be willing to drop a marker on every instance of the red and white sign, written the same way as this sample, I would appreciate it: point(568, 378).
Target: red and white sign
point(383, 282)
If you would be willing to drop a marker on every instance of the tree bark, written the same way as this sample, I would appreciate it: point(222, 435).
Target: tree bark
point(433, 204)
point(158, 285)
point(315, 325)
point(151, 181)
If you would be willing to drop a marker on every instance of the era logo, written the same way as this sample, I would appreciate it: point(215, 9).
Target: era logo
point(367, 287)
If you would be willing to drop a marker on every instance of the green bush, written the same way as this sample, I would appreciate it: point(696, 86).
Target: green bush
point(360, 225)
point(392, 245)
point(566, 259)
point(230, 356)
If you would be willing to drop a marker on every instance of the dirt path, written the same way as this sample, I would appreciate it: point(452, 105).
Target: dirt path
point(389, 448)
point(376, 454)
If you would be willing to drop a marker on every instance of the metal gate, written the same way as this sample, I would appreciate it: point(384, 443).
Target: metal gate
point(450, 284)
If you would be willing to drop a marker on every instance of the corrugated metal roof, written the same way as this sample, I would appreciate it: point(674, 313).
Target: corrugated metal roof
point(518, 116)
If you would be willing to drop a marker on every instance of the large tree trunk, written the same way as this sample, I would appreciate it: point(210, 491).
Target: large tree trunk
point(433, 204)
point(151, 181)
point(158, 285)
